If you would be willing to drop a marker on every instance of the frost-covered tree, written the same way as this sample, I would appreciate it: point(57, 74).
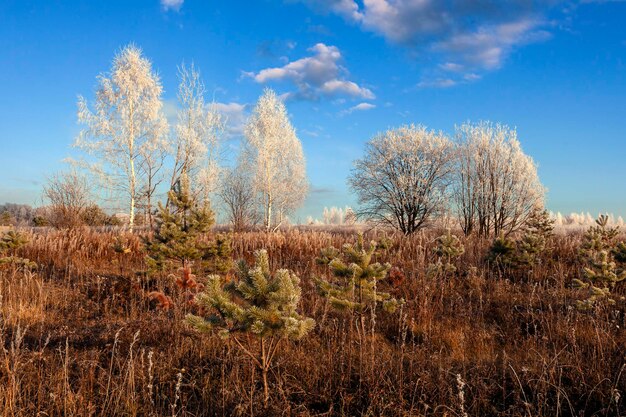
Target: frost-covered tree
point(260, 304)
point(68, 196)
point(238, 196)
point(496, 186)
point(126, 119)
point(350, 216)
point(274, 155)
point(402, 179)
point(196, 135)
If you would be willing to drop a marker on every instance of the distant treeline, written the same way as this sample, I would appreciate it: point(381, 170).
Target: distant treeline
point(12, 214)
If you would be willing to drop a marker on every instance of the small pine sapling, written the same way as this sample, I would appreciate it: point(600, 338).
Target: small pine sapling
point(10, 243)
point(259, 304)
point(180, 237)
point(600, 272)
point(353, 286)
point(536, 233)
point(448, 249)
point(502, 253)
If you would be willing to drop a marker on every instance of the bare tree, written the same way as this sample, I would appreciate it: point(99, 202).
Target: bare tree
point(238, 196)
point(152, 161)
point(275, 159)
point(196, 136)
point(68, 196)
point(496, 187)
point(402, 179)
point(127, 118)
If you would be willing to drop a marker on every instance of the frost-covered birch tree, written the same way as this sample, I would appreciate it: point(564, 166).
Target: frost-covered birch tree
point(196, 136)
point(402, 179)
point(496, 186)
point(274, 155)
point(126, 119)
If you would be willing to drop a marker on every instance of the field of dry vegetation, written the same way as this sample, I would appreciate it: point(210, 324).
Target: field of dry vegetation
point(81, 337)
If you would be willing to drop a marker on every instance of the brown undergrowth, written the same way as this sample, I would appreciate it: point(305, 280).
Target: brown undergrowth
point(81, 337)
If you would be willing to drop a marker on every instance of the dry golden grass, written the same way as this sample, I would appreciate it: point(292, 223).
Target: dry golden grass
point(81, 338)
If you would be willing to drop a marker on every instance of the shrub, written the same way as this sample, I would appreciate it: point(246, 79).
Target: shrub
point(40, 221)
point(93, 215)
point(6, 219)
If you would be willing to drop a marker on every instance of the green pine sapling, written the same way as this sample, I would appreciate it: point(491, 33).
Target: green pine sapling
point(525, 252)
point(536, 233)
point(353, 286)
point(258, 304)
point(10, 243)
point(600, 273)
point(502, 252)
point(179, 237)
point(180, 242)
point(448, 249)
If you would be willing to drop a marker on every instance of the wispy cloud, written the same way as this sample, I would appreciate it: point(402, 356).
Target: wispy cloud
point(437, 83)
point(172, 4)
point(487, 46)
point(321, 190)
point(321, 74)
point(234, 115)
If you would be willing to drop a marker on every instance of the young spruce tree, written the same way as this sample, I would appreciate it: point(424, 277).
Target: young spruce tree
point(259, 304)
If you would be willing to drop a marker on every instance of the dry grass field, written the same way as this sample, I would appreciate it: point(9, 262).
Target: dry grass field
point(81, 337)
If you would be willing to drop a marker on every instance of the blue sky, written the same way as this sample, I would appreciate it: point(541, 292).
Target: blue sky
point(556, 70)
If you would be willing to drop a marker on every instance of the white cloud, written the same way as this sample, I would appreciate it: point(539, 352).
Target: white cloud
point(172, 4)
point(349, 88)
point(364, 106)
point(461, 35)
point(360, 107)
point(315, 75)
